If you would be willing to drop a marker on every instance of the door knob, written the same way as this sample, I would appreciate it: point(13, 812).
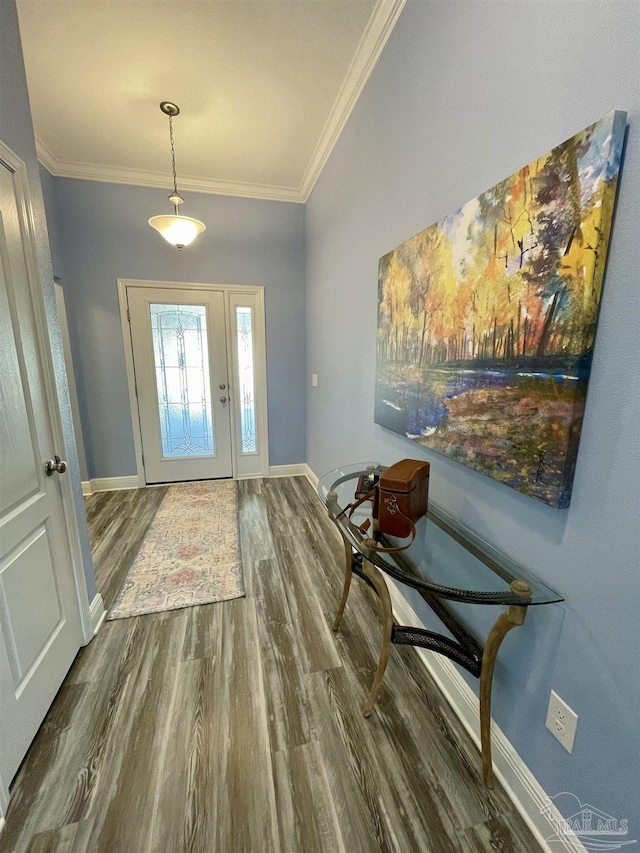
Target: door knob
point(223, 399)
point(222, 386)
point(53, 465)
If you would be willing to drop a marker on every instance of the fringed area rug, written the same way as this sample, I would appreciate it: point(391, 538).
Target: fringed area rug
point(190, 554)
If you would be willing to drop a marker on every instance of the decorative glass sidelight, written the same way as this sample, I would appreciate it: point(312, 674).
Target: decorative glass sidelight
point(182, 379)
point(246, 380)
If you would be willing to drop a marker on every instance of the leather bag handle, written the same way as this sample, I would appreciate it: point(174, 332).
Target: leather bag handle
point(394, 509)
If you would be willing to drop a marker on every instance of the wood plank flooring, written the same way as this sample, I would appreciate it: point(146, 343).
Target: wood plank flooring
point(118, 522)
point(236, 727)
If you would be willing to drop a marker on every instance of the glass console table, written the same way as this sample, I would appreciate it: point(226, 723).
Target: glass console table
point(444, 562)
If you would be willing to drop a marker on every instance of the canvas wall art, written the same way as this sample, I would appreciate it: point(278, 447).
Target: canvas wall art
point(487, 319)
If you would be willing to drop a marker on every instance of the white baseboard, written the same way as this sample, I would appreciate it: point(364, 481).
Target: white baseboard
point(311, 477)
point(97, 613)
point(4, 803)
point(110, 484)
point(521, 786)
point(298, 470)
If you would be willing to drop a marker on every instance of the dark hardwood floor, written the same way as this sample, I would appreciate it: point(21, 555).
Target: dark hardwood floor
point(236, 727)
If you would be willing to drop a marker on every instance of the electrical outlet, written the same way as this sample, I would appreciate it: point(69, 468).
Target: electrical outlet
point(314, 380)
point(561, 721)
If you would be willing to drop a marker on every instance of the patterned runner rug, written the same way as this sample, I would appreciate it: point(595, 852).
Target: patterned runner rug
point(190, 554)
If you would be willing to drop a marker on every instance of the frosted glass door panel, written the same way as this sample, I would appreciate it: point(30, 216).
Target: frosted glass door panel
point(245, 377)
point(183, 385)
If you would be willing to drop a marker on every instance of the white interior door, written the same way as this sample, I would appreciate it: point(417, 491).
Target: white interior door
point(40, 626)
point(182, 385)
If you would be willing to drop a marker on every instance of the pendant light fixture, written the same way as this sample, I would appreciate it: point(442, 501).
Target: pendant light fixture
point(178, 230)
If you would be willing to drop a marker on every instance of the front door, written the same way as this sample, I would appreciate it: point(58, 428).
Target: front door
point(40, 628)
point(182, 387)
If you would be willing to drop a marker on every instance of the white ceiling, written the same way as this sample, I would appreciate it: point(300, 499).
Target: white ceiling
point(264, 87)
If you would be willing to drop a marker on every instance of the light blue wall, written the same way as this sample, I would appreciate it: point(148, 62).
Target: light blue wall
point(51, 210)
point(464, 94)
point(16, 131)
point(105, 236)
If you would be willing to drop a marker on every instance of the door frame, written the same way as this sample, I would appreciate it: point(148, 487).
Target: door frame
point(71, 377)
point(26, 218)
point(260, 368)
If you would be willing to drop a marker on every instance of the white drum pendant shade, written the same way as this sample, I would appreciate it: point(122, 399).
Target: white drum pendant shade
point(178, 230)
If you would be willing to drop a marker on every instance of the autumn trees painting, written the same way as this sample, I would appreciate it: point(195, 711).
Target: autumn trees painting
point(487, 318)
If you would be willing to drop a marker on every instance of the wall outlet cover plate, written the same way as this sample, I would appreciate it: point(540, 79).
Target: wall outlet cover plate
point(561, 721)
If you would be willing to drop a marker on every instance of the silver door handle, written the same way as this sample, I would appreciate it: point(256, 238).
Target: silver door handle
point(222, 386)
point(223, 399)
point(53, 465)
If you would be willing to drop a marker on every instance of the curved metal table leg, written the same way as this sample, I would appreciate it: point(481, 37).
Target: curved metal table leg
point(348, 572)
point(511, 618)
point(375, 577)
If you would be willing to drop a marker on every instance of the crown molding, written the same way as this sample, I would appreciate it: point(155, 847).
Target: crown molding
point(379, 28)
point(381, 23)
point(141, 178)
point(46, 157)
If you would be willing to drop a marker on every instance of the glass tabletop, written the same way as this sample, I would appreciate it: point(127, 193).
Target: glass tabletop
point(444, 559)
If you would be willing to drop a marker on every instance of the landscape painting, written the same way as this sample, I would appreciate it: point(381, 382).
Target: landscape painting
point(487, 319)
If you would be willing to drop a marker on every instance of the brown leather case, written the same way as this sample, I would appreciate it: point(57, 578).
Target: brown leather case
point(403, 490)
